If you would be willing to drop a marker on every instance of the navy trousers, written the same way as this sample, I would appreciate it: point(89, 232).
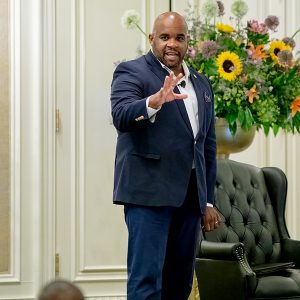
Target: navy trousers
point(161, 248)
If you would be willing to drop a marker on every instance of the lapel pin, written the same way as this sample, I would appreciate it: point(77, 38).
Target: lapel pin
point(207, 97)
point(140, 118)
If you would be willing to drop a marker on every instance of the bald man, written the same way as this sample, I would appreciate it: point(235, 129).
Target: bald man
point(165, 164)
point(60, 290)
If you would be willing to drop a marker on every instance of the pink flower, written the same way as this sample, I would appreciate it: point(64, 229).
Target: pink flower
point(191, 52)
point(254, 26)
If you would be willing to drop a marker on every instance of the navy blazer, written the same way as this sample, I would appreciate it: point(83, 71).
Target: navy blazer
point(154, 160)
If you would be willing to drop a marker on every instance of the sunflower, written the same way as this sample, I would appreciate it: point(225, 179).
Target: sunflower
point(229, 65)
point(224, 28)
point(277, 46)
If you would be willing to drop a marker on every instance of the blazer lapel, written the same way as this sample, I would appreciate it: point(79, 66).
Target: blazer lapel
point(199, 94)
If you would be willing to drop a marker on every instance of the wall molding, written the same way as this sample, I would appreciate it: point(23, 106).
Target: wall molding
point(81, 212)
point(15, 143)
point(17, 298)
point(49, 80)
point(84, 272)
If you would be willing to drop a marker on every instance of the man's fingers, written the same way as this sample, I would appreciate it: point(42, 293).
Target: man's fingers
point(172, 79)
point(211, 220)
point(167, 91)
point(180, 96)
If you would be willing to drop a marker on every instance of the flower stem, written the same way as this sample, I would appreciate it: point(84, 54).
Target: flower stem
point(295, 33)
point(140, 29)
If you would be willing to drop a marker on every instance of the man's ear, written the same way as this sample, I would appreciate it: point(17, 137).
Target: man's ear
point(150, 38)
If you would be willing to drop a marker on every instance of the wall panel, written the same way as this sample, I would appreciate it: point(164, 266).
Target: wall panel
point(4, 138)
point(22, 278)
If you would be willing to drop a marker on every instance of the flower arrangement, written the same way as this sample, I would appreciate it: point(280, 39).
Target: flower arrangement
point(256, 79)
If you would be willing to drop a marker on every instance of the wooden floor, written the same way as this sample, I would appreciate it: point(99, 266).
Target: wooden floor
point(195, 293)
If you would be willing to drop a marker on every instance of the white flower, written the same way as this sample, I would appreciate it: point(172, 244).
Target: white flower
point(130, 19)
point(210, 9)
point(239, 8)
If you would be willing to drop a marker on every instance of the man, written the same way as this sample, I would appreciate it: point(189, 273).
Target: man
point(60, 290)
point(165, 164)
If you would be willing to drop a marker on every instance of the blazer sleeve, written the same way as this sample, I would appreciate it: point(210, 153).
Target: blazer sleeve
point(128, 103)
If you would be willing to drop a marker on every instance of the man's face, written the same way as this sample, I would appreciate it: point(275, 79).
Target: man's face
point(169, 42)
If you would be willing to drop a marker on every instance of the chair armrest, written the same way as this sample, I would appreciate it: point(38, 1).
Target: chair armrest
point(225, 251)
point(291, 250)
point(212, 260)
point(217, 250)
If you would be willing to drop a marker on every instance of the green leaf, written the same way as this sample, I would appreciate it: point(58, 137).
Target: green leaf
point(292, 74)
point(231, 117)
point(266, 129)
point(257, 38)
point(233, 127)
point(278, 80)
point(249, 120)
point(275, 129)
point(241, 117)
point(245, 118)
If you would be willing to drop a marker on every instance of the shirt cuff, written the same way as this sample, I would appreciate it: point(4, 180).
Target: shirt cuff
point(151, 111)
point(209, 204)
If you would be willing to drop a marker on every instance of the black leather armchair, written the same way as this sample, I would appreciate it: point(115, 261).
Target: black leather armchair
point(250, 255)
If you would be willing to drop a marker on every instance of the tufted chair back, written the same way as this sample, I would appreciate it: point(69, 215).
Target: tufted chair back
point(250, 256)
point(246, 209)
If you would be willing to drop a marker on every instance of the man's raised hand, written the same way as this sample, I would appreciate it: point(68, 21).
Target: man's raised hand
point(166, 93)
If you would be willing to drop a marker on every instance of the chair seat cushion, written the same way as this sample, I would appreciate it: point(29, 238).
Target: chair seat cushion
point(272, 267)
point(283, 285)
